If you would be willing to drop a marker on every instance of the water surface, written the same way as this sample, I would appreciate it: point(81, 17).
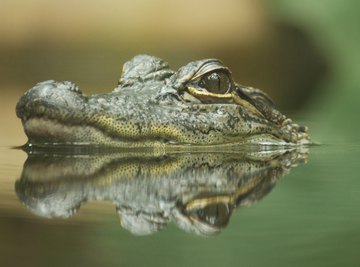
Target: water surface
point(304, 215)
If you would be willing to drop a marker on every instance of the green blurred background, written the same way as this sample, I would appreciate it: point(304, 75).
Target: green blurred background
point(305, 54)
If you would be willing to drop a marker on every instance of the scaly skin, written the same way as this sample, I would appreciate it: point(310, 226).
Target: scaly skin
point(155, 106)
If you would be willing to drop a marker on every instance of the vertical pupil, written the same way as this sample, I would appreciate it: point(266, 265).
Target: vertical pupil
point(215, 82)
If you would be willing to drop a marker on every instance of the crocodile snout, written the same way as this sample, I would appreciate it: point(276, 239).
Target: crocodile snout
point(49, 98)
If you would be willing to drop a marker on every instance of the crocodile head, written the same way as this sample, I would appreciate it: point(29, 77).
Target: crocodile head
point(200, 104)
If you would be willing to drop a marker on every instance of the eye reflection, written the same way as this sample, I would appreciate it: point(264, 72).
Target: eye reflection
point(215, 214)
point(217, 82)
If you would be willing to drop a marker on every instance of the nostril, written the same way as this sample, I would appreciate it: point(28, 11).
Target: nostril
point(66, 85)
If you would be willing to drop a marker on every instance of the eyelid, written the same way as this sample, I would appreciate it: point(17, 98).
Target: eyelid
point(211, 66)
point(208, 95)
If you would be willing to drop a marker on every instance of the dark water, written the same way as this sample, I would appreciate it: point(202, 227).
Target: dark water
point(279, 208)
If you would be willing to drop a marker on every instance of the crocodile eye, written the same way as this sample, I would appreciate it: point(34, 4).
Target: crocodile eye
point(217, 82)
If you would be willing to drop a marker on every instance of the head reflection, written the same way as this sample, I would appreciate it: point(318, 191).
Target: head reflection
point(197, 191)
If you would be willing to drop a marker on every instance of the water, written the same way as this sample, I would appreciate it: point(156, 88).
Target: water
point(309, 216)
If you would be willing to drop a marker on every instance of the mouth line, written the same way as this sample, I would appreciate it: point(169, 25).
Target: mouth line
point(51, 132)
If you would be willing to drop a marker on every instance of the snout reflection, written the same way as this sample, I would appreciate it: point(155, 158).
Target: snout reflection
point(197, 191)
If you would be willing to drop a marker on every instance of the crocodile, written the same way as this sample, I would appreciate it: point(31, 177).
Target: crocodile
point(153, 106)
